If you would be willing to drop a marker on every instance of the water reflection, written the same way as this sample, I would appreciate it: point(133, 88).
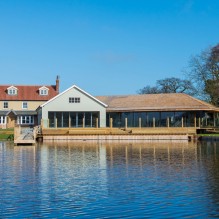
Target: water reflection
point(110, 179)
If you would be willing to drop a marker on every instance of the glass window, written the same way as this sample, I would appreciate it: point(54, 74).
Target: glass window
point(65, 116)
point(80, 119)
point(2, 120)
point(178, 119)
point(51, 116)
point(117, 121)
point(24, 105)
point(95, 116)
point(5, 105)
point(59, 119)
point(44, 92)
point(25, 120)
point(153, 118)
point(139, 119)
point(87, 119)
point(73, 117)
point(77, 99)
point(165, 116)
point(12, 92)
point(130, 118)
point(74, 99)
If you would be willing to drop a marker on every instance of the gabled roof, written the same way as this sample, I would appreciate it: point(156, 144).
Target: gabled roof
point(156, 102)
point(43, 88)
point(11, 111)
point(12, 87)
point(27, 92)
point(79, 89)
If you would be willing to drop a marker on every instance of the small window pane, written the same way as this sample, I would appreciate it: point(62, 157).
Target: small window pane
point(24, 106)
point(25, 120)
point(12, 92)
point(74, 99)
point(44, 92)
point(5, 105)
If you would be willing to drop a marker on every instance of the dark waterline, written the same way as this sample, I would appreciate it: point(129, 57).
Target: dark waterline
point(110, 180)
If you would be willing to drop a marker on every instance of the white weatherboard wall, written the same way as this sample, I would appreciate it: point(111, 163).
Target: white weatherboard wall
point(87, 104)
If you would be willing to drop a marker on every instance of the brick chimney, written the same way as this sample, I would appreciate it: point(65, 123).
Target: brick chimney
point(57, 84)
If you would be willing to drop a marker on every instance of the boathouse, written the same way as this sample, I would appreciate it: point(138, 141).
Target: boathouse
point(75, 108)
point(159, 110)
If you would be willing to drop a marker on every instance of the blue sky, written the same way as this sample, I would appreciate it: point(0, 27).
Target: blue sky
point(105, 47)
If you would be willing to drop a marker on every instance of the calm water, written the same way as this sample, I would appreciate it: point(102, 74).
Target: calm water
point(110, 180)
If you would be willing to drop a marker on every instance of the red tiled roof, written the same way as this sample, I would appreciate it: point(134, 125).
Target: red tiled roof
point(27, 92)
point(155, 102)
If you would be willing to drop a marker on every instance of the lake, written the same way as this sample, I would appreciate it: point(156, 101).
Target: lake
point(155, 179)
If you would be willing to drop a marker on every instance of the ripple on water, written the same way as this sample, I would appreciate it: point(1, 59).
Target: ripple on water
point(109, 181)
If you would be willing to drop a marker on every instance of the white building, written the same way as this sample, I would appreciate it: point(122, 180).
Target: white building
point(73, 108)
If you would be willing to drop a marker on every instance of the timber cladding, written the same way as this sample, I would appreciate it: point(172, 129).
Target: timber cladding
point(117, 131)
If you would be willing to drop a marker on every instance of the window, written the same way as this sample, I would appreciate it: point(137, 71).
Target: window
point(2, 120)
point(43, 91)
point(12, 90)
point(74, 99)
point(5, 105)
point(24, 105)
point(25, 120)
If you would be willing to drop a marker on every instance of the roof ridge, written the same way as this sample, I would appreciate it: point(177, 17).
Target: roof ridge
point(20, 85)
point(125, 95)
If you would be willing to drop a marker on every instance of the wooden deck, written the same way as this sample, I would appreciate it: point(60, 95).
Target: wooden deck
point(116, 133)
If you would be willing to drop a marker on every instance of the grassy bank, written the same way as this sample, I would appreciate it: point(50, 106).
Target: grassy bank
point(7, 134)
point(209, 135)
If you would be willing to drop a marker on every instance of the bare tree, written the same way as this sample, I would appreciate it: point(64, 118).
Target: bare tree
point(170, 85)
point(175, 85)
point(149, 90)
point(204, 74)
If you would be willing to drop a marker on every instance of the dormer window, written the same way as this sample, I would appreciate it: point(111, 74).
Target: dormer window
point(43, 91)
point(12, 90)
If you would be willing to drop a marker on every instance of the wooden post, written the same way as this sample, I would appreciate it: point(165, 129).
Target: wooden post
point(126, 123)
point(214, 120)
point(111, 122)
point(56, 122)
point(199, 122)
point(168, 122)
point(153, 122)
point(139, 122)
point(195, 121)
point(42, 123)
point(83, 122)
point(5, 122)
point(182, 123)
point(97, 121)
point(69, 122)
point(19, 130)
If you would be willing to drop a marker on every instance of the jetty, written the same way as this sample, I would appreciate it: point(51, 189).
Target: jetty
point(25, 135)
